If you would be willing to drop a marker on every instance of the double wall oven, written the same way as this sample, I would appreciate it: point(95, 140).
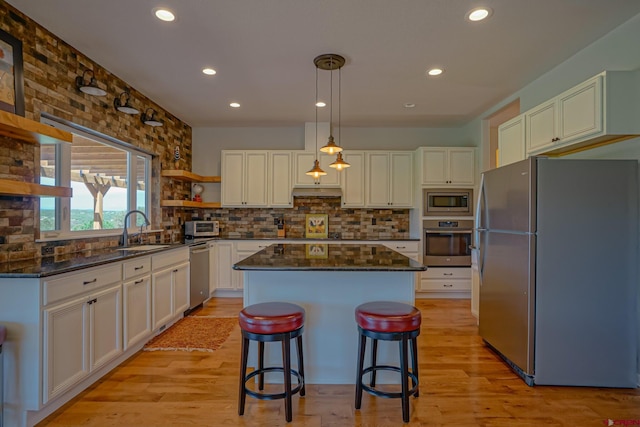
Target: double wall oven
point(447, 243)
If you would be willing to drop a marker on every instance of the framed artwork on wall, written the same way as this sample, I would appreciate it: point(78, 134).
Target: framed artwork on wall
point(11, 77)
point(317, 251)
point(316, 226)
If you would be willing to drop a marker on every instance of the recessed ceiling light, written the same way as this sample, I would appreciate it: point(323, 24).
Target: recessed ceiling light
point(164, 14)
point(435, 71)
point(234, 105)
point(409, 105)
point(209, 71)
point(320, 104)
point(479, 13)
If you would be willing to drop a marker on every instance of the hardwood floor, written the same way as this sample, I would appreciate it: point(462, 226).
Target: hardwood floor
point(462, 383)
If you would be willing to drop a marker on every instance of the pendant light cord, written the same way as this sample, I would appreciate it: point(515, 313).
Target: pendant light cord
point(331, 100)
point(339, 101)
point(316, 151)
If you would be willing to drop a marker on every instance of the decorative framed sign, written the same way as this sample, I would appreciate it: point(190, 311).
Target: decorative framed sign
point(316, 226)
point(11, 77)
point(317, 251)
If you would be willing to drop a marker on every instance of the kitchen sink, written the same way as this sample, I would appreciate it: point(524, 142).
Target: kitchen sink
point(143, 248)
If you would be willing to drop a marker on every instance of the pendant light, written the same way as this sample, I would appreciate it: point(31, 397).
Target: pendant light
point(330, 62)
point(339, 163)
point(316, 171)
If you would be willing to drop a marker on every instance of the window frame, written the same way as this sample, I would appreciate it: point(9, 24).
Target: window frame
point(63, 178)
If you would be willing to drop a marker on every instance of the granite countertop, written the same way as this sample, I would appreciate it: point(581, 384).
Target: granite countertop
point(305, 239)
point(58, 264)
point(328, 257)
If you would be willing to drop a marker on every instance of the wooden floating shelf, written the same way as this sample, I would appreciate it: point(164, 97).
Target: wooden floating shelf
point(16, 188)
point(188, 204)
point(26, 130)
point(183, 175)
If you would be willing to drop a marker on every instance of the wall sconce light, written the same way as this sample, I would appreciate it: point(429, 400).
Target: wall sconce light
point(122, 104)
point(88, 84)
point(149, 118)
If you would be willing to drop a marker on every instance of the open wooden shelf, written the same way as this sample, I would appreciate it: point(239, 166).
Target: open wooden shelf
point(188, 204)
point(16, 188)
point(26, 130)
point(183, 175)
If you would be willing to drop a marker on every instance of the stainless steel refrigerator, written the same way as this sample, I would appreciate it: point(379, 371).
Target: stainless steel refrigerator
point(558, 262)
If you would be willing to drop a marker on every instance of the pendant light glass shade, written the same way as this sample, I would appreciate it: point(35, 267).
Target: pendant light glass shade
point(339, 164)
point(316, 172)
point(331, 147)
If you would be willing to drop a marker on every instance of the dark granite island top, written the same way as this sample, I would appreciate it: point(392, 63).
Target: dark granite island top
point(328, 257)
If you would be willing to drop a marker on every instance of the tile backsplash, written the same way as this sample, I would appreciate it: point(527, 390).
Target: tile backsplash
point(361, 224)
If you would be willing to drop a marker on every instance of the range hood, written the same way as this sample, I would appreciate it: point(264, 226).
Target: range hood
point(316, 192)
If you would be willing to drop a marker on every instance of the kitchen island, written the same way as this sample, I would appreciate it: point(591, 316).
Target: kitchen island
point(329, 281)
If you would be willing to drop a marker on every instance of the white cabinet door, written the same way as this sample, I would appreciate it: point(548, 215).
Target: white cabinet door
point(66, 338)
point(541, 126)
point(180, 286)
point(162, 297)
point(280, 182)
point(445, 166)
point(511, 145)
point(137, 310)
point(255, 176)
point(378, 179)
point(401, 189)
point(225, 254)
point(434, 166)
point(303, 162)
point(353, 180)
point(462, 170)
point(580, 111)
point(213, 268)
point(244, 178)
point(106, 326)
point(232, 186)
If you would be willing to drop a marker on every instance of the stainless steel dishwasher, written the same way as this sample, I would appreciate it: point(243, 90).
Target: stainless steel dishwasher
point(199, 286)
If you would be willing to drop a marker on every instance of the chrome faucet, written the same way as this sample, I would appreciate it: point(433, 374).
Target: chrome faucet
point(124, 239)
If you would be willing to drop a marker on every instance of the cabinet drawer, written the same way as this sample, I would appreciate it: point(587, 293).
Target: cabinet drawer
point(252, 246)
point(136, 267)
point(165, 259)
point(408, 247)
point(437, 273)
point(73, 284)
point(445, 285)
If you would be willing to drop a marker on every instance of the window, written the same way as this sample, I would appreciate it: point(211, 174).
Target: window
point(108, 178)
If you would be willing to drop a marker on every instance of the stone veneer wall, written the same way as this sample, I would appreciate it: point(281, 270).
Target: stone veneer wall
point(347, 223)
point(50, 69)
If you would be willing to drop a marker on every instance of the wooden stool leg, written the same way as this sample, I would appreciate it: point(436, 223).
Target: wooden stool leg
point(301, 364)
point(414, 368)
point(286, 358)
point(404, 371)
point(242, 393)
point(260, 365)
point(362, 345)
point(374, 360)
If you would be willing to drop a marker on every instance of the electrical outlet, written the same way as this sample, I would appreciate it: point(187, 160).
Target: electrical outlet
point(47, 250)
point(373, 221)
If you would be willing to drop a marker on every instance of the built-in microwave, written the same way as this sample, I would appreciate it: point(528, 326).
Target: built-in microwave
point(447, 202)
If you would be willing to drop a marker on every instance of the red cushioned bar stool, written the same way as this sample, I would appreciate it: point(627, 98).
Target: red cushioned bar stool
point(272, 322)
point(388, 321)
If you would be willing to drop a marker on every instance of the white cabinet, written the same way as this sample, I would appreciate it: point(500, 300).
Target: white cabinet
point(169, 286)
point(353, 180)
point(603, 108)
point(448, 280)
point(511, 141)
point(80, 334)
point(225, 260)
point(408, 248)
point(136, 296)
point(475, 284)
point(303, 162)
point(389, 180)
point(244, 178)
point(280, 179)
point(448, 166)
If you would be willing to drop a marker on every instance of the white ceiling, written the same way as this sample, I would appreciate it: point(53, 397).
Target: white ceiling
point(263, 51)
